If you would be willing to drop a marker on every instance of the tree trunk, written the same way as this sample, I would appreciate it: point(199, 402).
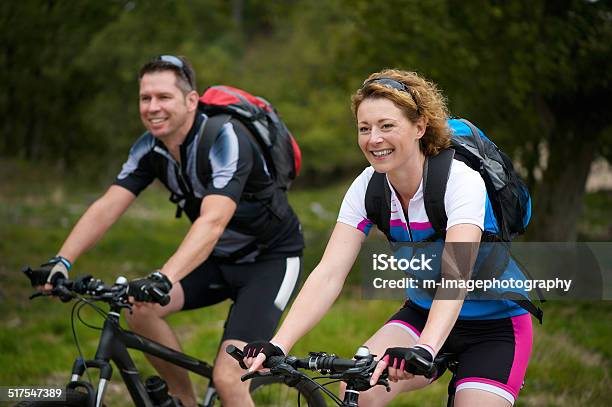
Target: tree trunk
point(237, 13)
point(557, 204)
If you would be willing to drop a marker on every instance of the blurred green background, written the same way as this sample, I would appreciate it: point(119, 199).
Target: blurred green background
point(534, 75)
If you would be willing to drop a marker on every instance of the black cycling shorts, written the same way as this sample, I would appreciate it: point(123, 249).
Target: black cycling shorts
point(260, 290)
point(493, 354)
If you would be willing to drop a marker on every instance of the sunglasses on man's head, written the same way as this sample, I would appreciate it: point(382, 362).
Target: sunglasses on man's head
point(177, 62)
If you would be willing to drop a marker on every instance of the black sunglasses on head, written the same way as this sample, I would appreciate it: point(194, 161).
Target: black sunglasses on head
point(389, 83)
point(177, 62)
point(393, 84)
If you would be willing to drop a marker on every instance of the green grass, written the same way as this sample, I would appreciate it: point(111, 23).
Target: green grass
point(571, 364)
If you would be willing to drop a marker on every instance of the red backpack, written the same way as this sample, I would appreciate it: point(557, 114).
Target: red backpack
point(281, 151)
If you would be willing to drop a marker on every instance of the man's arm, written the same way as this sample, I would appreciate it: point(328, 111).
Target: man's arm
point(94, 223)
point(215, 213)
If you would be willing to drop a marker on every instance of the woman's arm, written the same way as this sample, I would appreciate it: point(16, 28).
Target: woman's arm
point(320, 289)
point(457, 262)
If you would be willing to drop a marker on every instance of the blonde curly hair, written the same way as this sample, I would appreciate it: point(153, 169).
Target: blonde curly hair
point(416, 97)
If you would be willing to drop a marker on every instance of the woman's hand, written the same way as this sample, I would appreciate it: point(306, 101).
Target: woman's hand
point(405, 363)
point(255, 353)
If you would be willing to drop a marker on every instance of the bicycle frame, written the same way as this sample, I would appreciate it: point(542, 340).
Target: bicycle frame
point(113, 345)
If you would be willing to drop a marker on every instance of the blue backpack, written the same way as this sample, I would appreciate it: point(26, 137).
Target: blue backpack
point(508, 194)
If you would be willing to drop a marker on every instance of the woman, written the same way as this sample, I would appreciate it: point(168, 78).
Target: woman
point(402, 120)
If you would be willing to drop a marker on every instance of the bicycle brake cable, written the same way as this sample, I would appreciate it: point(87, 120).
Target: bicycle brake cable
point(96, 308)
point(76, 339)
point(325, 390)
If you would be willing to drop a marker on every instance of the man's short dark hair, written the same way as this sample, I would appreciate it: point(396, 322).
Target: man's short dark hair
point(185, 75)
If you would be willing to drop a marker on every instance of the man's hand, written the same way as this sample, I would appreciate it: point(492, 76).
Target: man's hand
point(255, 353)
point(150, 288)
point(49, 273)
point(404, 363)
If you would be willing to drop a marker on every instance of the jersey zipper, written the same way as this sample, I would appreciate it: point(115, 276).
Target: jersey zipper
point(182, 184)
point(408, 223)
point(182, 170)
point(398, 201)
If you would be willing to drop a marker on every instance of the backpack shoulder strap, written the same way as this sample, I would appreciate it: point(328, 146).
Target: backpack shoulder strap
point(435, 178)
point(212, 127)
point(378, 203)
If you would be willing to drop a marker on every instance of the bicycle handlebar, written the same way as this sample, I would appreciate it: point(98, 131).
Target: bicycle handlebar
point(315, 361)
point(356, 371)
point(327, 364)
point(116, 294)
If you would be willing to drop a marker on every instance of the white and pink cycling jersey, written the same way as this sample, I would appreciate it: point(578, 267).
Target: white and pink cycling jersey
point(465, 201)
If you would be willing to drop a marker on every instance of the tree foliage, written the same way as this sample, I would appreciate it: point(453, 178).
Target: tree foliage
point(44, 90)
point(534, 74)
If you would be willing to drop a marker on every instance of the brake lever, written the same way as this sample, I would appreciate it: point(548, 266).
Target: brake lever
point(383, 382)
point(37, 294)
point(126, 305)
point(287, 370)
point(257, 373)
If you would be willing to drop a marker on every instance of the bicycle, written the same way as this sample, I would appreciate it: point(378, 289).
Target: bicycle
point(113, 347)
point(354, 372)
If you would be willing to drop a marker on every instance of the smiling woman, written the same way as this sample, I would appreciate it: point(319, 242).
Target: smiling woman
point(402, 121)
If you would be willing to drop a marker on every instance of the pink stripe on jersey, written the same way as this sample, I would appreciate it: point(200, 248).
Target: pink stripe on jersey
point(364, 225)
point(420, 225)
point(397, 222)
point(406, 324)
point(523, 339)
point(505, 387)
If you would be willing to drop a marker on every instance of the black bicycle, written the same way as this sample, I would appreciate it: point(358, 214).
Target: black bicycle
point(114, 344)
point(356, 372)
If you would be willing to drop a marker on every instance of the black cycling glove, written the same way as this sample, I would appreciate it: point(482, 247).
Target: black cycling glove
point(141, 288)
point(416, 360)
point(50, 272)
point(253, 349)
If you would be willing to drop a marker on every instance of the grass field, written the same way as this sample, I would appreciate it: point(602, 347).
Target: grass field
point(571, 364)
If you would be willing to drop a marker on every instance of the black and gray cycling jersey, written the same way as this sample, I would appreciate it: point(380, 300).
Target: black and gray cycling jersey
point(232, 165)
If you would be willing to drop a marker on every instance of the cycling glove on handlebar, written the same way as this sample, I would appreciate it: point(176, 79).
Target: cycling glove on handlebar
point(140, 288)
point(50, 272)
point(416, 360)
point(253, 349)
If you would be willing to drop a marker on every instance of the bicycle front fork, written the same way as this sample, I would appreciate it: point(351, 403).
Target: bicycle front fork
point(78, 369)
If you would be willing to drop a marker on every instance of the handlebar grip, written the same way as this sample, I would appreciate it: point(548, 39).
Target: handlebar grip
point(35, 276)
point(424, 367)
point(159, 296)
point(340, 365)
point(63, 292)
point(236, 354)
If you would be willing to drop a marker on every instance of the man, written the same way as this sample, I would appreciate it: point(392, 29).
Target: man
point(237, 247)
